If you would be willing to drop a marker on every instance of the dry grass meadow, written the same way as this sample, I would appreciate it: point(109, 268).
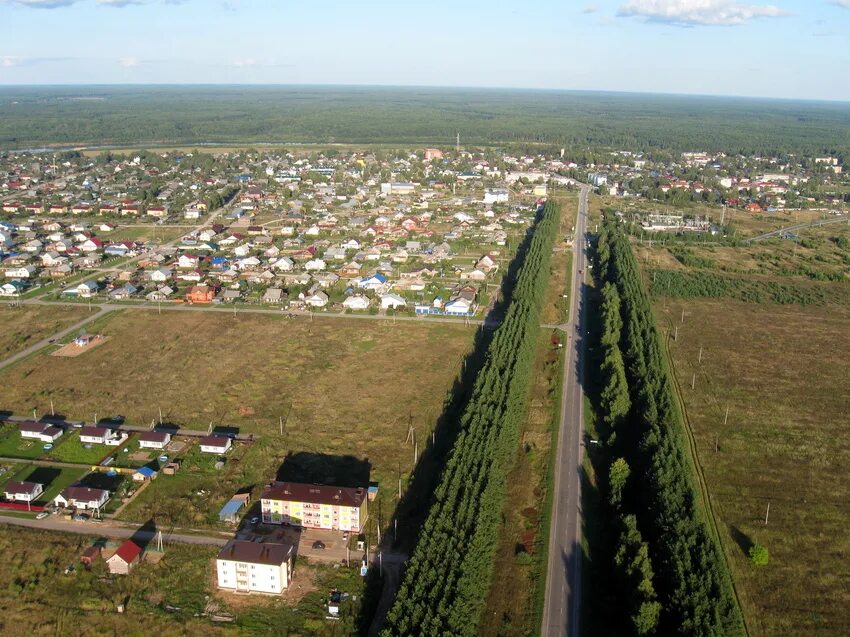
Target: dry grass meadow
point(782, 371)
point(22, 326)
point(341, 387)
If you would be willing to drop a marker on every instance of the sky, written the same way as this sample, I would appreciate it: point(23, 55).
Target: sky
point(796, 49)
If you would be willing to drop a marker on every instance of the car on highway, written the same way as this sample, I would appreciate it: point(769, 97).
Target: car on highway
point(79, 517)
point(318, 545)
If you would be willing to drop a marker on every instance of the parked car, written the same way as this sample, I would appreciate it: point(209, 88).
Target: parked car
point(254, 520)
point(318, 544)
point(42, 515)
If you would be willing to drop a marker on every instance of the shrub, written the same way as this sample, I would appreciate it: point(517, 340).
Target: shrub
point(759, 555)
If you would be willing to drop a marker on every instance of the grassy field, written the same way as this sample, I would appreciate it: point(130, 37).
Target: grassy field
point(150, 232)
point(21, 327)
point(343, 389)
point(194, 495)
point(40, 600)
point(817, 253)
point(13, 445)
point(69, 449)
point(782, 372)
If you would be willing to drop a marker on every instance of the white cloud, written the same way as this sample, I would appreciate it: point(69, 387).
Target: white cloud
point(45, 4)
point(245, 62)
point(128, 62)
point(698, 12)
point(844, 4)
point(55, 4)
point(591, 8)
point(7, 61)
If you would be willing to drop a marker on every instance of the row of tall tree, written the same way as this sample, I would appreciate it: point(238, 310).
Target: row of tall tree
point(445, 584)
point(669, 567)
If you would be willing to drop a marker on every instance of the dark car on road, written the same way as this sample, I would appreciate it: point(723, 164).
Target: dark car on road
point(318, 544)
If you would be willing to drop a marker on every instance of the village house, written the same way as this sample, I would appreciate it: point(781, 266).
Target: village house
point(215, 444)
point(125, 558)
point(254, 567)
point(153, 439)
point(82, 498)
point(21, 491)
point(314, 506)
point(39, 431)
point(97, 435)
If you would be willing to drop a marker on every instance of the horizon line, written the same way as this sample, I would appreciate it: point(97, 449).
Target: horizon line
point(435, 87)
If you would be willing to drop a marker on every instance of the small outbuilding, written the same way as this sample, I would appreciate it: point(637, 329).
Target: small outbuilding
point(125, 558)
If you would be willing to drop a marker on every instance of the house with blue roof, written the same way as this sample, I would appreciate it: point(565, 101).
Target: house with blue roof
point(374, 282)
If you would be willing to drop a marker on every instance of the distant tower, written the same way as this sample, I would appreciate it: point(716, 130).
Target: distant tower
point(457, 142)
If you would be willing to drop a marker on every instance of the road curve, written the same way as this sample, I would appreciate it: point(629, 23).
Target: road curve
point(561, 610)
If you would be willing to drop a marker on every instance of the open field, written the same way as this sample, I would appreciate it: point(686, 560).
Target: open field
point(782, 372)
point(342, 389)
point(148, 232)
point(69, 449)
point(40, 600)
point(23, 326)
point(819, 253)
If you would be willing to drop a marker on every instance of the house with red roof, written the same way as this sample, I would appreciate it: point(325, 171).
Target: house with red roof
point(125, 558)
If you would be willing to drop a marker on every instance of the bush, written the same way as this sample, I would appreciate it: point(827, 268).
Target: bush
point(523, 559)
point(759, 555)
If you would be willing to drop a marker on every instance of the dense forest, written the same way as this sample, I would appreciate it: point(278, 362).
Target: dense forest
point(668, 567)
point(116, 115)
point(447, 577)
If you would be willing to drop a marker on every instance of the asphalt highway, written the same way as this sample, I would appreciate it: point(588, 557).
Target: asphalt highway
point(561, 611)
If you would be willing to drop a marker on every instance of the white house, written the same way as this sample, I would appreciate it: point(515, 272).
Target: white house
point(254, 567)
point(154, 439)
point(160, 275)
point(22, 272)
point(215, 444)
point(391, 300)
point(82, 497)
point(496, 195)
point(84, 290)
point(97, 435)
point(315, 265)
point(374, 282)
point(458, 306)
point(22, 491)
point(319, 299)
point(187, 261)
point(39, 431)
point(356, 302)
point(13, 288)
point(284, 264)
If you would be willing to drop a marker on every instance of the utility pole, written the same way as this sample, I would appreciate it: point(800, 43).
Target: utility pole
point(726, 417)
point(693, 380)
point(52, 412)
point(683, 315)
point(281, 424)
point(767, 514)
point(160, 415)
point(676, 334)
point(699, 360)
